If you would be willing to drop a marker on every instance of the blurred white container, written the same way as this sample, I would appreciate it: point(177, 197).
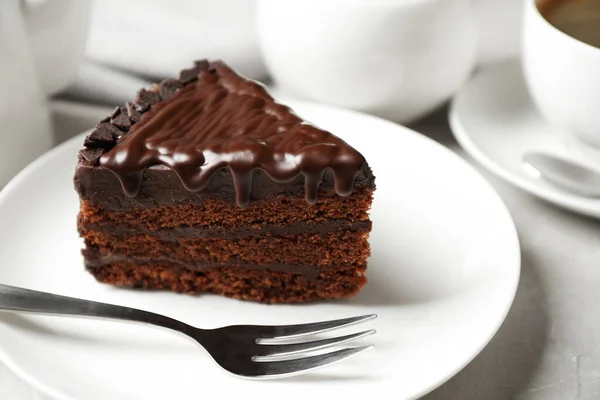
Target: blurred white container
point(395, 59)
point(41, 45)
point(57, 32)
point(157, 38)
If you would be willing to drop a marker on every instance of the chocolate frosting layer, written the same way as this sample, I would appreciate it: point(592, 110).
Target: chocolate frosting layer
point(213, 119)
point(242, 232)
point(94, 259)
point(162, 186)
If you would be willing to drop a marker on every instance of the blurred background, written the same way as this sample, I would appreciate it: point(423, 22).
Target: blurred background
point(64, 62)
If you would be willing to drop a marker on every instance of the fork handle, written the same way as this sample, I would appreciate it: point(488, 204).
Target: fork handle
point(19, 299)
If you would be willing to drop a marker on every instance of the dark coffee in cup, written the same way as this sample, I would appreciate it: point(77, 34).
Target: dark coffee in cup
point(579, 19)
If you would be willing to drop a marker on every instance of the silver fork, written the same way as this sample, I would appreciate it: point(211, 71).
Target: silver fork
point(239, 349)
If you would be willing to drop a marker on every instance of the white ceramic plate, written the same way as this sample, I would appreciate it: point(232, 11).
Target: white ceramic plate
point(442, 276)
point(495, 121)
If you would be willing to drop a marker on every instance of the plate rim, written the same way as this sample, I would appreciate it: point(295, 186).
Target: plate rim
point(556, 197)
point(55, 394)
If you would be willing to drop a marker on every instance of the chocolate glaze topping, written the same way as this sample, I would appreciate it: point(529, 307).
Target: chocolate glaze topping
point(210, 119)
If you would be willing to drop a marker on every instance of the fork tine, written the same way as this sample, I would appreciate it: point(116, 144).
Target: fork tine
point(269, 351)
point(288, 331)
point(290, 367)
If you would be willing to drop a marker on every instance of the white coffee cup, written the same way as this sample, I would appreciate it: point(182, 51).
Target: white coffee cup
point(398, 59)
point(563, 77)
point(41, 45)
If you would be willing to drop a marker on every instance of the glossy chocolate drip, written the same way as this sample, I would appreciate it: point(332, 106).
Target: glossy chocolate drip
point(222, 120)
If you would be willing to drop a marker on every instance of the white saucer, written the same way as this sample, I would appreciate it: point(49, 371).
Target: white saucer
point(495, 121)
point(443, 274)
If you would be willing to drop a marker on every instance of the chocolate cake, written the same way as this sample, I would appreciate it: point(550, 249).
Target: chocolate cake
point(206, 184)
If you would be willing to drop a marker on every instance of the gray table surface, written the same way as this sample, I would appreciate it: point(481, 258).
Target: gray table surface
point(547, 347)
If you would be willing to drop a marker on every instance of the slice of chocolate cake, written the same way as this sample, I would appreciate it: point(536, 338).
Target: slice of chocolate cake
point(206, 184)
